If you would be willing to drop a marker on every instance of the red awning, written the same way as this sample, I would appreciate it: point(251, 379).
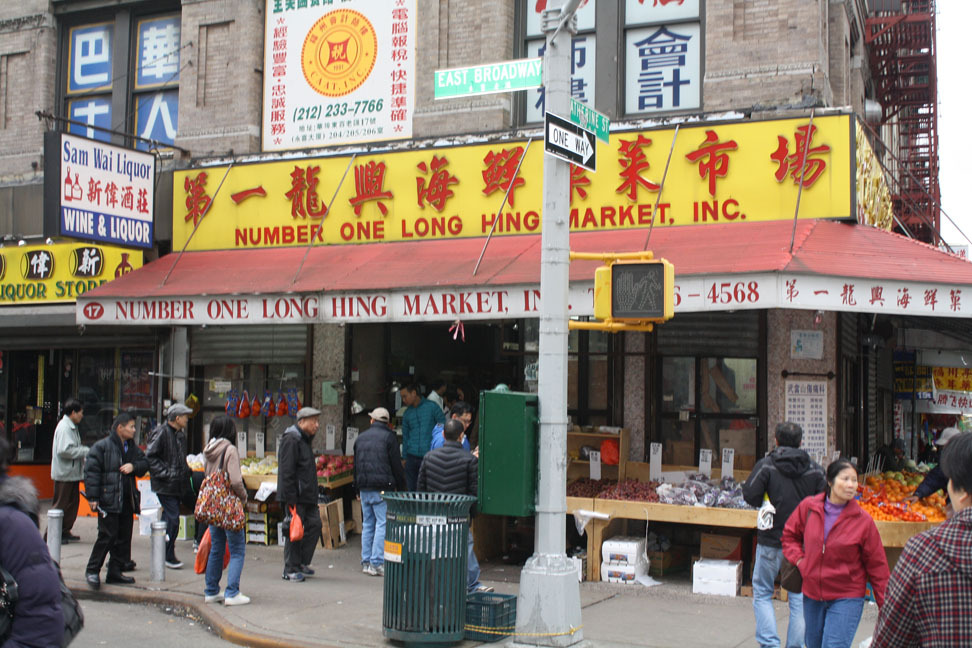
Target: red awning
point(820, 248)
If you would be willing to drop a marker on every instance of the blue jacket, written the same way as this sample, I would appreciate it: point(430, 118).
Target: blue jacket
point(417, 424)
point(438, 438)
point(37, 621)
point(933, 481)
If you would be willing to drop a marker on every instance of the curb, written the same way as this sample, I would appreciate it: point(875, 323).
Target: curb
point(207, 613)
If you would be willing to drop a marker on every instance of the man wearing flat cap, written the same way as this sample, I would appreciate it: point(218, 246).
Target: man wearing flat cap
point(377, 468)
point(166, 454)
point(297, 492)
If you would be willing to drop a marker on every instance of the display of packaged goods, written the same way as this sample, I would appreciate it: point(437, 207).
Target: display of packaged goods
point(623, 549)
point(719, 577)
point(623, 572)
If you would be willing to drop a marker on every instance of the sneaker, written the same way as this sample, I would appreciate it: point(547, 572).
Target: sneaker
point(173, 564)
point(307, 569)
point(297, 577)
point(483, 588)
point(195, 547)
point(369, 569)
point(380, 570)
point(239, 599)
point(215, 598)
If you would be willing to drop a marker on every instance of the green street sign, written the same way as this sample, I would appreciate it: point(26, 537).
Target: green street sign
point(589, 119)
point(505, 76)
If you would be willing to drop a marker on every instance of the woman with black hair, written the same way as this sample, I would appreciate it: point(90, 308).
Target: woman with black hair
point(837, 548)
point(221, 454)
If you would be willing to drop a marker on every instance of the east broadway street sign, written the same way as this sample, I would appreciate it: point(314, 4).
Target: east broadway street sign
point(569, 142)
point(505, 76)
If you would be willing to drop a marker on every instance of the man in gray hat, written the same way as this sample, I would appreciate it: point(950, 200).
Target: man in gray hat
point(297, 492)
point(166, 454)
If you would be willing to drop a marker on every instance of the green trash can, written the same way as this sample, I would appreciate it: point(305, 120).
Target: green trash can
point(425, 567)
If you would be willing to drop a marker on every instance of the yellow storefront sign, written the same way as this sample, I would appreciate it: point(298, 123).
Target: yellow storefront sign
point(726, 172)
point(61, 271)
point(952, 379)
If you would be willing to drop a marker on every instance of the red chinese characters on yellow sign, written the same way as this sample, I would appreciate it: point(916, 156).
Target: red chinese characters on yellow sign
point(712, 159)
point(303, 197)
point(436, 191)
point(633, 161)
point(197, 200)
point(803, 149)
point(500, 170)
point(369, 183)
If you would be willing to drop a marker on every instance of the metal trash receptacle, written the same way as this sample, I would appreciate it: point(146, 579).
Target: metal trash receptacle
point(426, 540)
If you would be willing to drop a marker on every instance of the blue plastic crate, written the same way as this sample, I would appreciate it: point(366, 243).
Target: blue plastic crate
point(489, 616)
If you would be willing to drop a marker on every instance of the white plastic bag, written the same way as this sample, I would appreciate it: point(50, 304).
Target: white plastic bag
point(764, 517)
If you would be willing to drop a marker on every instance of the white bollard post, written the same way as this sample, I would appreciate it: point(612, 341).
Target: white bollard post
point(55, 523)
point(158, 552)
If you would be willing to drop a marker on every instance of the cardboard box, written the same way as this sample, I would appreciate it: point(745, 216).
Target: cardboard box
point(721, 547)
point(664, 563)
point(146, 518)
point(718, 577)
point(683, 453)
point(357, 521)
point(187, 528)
point(623, 549)
point(333, 533)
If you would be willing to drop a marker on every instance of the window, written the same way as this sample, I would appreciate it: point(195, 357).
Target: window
point(121, 72)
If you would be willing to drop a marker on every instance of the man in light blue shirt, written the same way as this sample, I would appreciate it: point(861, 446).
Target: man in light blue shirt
point(460, 411)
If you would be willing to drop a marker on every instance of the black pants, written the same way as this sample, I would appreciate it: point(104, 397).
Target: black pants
point(115, 536)
point(170, 515)
point(66, 494)
point(302, 552)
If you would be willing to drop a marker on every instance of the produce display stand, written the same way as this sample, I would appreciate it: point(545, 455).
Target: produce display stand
point(579, 437)
point(336, 481)
point(252, 482)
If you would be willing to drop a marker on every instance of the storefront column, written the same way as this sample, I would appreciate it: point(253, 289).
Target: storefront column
point(328, 366)
point(633, 393)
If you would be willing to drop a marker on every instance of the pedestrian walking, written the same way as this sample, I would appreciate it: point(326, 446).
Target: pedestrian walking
point(109, 483)
point(297, 492)
point(67, 466)
point(166, 453)
point(929, 601)
point(377, 468)
point(417, 424)
point(838, 550)
point(220, 454)
point(786, 476)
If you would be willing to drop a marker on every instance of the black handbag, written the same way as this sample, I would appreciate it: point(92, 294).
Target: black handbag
point(790, 577)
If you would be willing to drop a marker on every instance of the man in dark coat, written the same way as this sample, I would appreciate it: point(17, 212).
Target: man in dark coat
point(935, 480)
point(453, 469)
point(297, 491)
point(109, 482)
point(166, 453)
point(377, 468)
point(37, 616)
point(786, 476)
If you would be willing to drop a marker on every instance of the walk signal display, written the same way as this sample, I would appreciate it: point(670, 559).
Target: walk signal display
point(635, 291)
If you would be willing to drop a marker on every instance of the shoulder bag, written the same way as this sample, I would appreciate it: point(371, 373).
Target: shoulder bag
point(217, 504)
point(790, 577)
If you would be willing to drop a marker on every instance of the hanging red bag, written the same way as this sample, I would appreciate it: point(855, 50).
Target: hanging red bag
point(255, 407)
point(610, 452)
point(296, 526)
point(281, 405)
point(269, 407)
point(202, 556)
point(244, 410)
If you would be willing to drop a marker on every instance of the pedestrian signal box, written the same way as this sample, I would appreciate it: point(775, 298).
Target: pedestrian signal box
point(635, 291)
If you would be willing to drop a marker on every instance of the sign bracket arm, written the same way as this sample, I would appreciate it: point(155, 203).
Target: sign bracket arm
point(502, 205)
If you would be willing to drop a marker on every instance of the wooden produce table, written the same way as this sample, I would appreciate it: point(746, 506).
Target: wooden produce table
point(252, 482)
point(335, 482)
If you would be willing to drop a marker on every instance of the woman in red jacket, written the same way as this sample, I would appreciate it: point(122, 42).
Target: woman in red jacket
point(838, 550)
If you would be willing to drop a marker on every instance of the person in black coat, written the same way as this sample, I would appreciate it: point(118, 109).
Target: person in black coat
point(377, 468)
point(453, 469)
point(297, 491)
point(37, 616)
point(171, 476)
point(935, 480)
point(109, 482)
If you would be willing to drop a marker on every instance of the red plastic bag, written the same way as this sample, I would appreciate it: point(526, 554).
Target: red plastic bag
point(281, 405)
point(244, 405)
point(202, 556)
point(255, 407)
point(610, 452)
point(269, 407)
point(296, 525)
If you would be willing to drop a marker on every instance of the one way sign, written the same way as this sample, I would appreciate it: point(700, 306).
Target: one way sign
point(569, 142)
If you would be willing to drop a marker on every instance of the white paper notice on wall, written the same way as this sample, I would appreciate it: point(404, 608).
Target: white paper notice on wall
point(329, 436)
point(241, 443)
point(705, 462)
point(595, 465)
point(259, 440)
point(655, 462)
point(352, 437)
point(728, 461)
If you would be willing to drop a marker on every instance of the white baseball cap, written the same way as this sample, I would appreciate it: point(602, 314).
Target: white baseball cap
point(947, 435)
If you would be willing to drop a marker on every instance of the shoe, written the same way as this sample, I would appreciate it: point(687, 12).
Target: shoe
point(307, 569)
point(369, 569)
point(215, 598)
point(239, 599)
point(119, 579)
point(93, 580)
point(129, 566)
point(195, 547)
point(380, 570)
point(483, 588)
point(173, 564)
point(65, 540)
point(297, 577)
point(72, 537)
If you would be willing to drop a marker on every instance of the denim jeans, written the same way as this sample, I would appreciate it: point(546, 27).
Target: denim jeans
point(373, 528)
point(832, 624)
point(765, 569)
point(472, 566)
point(170, 515)
point(221, 538)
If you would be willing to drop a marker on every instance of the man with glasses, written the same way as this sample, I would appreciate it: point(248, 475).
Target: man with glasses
point(460, 411)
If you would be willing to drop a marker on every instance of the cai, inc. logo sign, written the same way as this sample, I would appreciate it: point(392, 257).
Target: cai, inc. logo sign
point(37, 264)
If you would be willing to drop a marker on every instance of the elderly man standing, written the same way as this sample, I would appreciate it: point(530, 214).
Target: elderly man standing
point(297, 492)
point(166, 454)
point(67, 466)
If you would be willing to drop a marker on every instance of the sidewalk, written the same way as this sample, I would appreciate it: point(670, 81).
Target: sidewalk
point(341, 607)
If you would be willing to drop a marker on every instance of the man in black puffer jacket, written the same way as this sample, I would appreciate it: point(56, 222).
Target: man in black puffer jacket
point(109, 482)
point(166, 453)
point(453, 469)
point(786, 476)
point(377, 468)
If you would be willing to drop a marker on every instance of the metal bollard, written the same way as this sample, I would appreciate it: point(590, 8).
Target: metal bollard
point(158, 552)
point(55, 522)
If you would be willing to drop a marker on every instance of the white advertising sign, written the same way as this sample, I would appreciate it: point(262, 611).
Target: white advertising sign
point(806, 405)
point(663, 68)
point(107, 193)
point(640, 11)
point(338, 73)
point(806, 345)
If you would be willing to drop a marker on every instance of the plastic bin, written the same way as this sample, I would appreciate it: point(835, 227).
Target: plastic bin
point(490, 617)
point(426, 542)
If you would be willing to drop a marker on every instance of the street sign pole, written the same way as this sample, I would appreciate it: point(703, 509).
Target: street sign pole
point(548, 611)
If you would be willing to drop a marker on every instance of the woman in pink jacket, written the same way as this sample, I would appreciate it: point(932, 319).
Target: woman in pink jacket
point(838, 550)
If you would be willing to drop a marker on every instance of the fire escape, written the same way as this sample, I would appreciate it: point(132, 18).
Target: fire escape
point(900, 37)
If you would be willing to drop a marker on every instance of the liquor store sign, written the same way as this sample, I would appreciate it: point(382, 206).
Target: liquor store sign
point(59, 272)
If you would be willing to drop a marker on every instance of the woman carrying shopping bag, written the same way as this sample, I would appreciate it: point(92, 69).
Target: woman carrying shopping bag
point(222, 463)
point(836, 546)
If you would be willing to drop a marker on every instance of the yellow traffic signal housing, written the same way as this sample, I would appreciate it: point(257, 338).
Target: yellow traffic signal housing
point(635, 291)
